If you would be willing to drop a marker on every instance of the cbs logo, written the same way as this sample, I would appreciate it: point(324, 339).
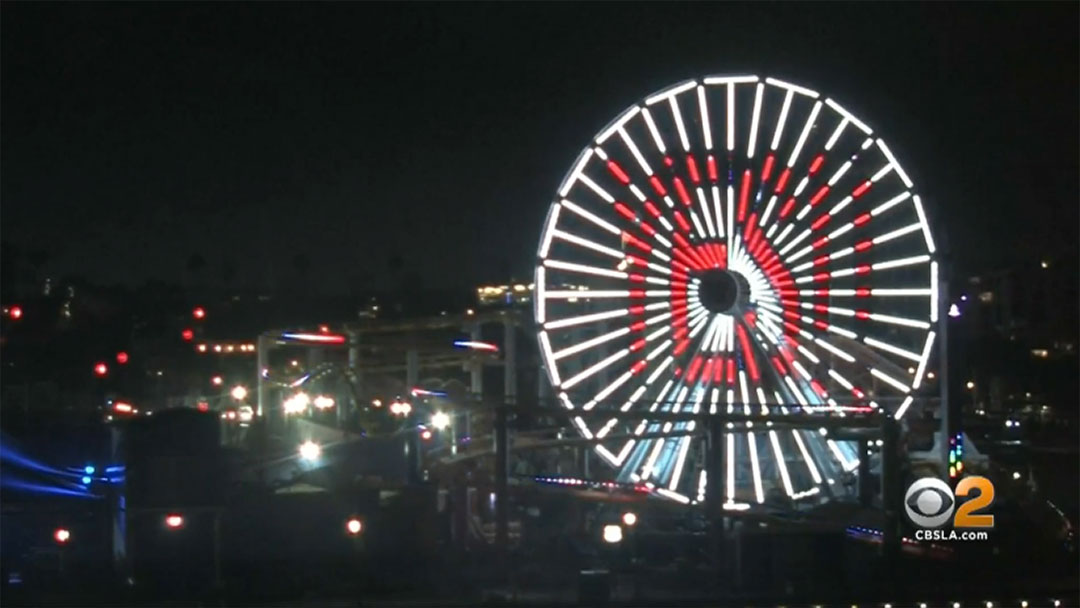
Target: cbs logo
point(930, 502)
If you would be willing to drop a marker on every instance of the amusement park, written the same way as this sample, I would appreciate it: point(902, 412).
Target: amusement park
point(741, 366)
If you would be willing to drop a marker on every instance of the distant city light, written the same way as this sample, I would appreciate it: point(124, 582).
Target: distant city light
point(320, 338)
point(353, 526)
point(954, 311)
point(400, 408)
point(188, 334)
point(970, 384)
point(217, 381)
point(199, 312)
point(425, 434)
point(238, 392)
point(100, 369)
point(62, 535)
point(201, 348)
point(1016, 474)
point(323, 402)
point(310, 451)
point(1044, 264)
point(202, 406)
point(420, 392)
point(89, 469)
point(174, 521)
point(15, 312)
point(440, 420)
point(297, 403)
point(476, 345)
point(629, 518)
point(86, 480)
point(122, 357)
point(324, 329)
point(613, 534)
point(376, 402)
point(121, 407)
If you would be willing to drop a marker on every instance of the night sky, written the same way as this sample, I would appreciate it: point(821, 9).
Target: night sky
point(427, 140)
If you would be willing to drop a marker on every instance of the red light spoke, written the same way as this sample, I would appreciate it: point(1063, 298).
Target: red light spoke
point(618, 172)
point(782, 182)
point(684, 196)
point(744, 195)
point(691, 167)
point(766, 170)
point(748, 353)
point(713, 175)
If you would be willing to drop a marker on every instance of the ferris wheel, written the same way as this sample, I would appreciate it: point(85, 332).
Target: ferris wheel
point(741, 245)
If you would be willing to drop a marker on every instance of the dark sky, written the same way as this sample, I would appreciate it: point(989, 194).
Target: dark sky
point(135, 134)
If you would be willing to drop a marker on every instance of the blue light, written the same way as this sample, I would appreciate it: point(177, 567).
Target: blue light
point(89, 469)
point(86, 480)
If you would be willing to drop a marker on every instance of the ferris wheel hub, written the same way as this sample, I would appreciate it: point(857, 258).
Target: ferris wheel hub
point(723, 291)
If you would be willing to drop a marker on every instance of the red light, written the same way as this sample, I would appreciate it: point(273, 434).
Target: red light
point(203, 406)
point(123, 408)
point(100, 369)
point(62, 535)
point(121, 357)
point(199, 312)
point(174, 520)
point(15, 312)
point(188, 335)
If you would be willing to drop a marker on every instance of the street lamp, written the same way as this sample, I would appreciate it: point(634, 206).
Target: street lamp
point(629, 518)
point(354, 526)
point(62, 535)
point(310, 451)
point(613, 534)
point(440, 420)
point(238, 392)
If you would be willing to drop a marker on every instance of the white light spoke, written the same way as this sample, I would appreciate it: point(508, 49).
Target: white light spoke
point(591, 217)
point(589, 371)
point(585, 269)
point(589, 318)
point(886, 378)
point(587, 344)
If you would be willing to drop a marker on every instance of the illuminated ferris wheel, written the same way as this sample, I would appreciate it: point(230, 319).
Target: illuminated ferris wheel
point(741, 245)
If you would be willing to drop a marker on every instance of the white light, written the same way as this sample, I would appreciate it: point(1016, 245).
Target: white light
point(792, 87)
point(323, 402)
point(679, 123)
point(591, 217)
point(704, 108)
point(310, 451)
point(1016, 474)
point(900, 411)
point(849, 116)
point(900, 386)
point(652, 130)
point(629, 518)
point(613, 534)
point(174, 521)
point(754, 121)
point(440, 420)
point(805, 132)
point(354, 526)
point(780, 122)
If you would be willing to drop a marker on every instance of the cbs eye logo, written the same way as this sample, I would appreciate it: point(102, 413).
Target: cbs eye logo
point(930, 502)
